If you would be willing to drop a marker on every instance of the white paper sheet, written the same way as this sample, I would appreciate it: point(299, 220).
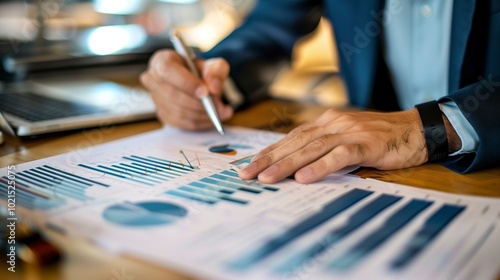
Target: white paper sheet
point(140, 196)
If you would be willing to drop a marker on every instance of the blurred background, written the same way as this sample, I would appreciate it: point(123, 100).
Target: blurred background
point(37, 36)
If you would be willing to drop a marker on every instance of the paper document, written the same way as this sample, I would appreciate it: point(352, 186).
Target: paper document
point(174, 198)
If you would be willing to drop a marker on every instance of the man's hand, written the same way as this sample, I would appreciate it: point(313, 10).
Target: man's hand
point(338, 139)
point(177, 92)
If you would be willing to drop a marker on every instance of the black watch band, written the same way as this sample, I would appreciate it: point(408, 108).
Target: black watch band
point(434, 130)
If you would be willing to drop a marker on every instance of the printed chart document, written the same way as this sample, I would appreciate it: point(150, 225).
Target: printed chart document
point(174, 198)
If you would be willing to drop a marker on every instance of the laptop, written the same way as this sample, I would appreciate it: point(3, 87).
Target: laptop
point(58, 104)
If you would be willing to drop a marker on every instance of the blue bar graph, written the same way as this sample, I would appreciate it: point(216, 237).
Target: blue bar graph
point(355, 221)
point(45, 187)
point(29, 198)
point(392, 225)
point(219, 187)
point(423, 238)
point(330, 210)
point(149, 171)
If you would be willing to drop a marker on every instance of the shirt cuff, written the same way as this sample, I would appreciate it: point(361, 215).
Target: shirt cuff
point(467, 134)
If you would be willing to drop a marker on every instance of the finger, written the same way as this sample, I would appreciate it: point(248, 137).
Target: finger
point(331, 127)
point(169, 67)
point(176, 111)
point(215, 72)
point(167, 94)
point(225, 112)
point(278, 151)
point(333, 121)
point(148, 81)
point(167, 117)
point(310, 153)
point(338, 158)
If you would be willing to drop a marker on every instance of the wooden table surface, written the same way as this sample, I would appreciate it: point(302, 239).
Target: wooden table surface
point(85, 261)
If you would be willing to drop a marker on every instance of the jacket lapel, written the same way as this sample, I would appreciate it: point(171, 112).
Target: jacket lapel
point(463, 12)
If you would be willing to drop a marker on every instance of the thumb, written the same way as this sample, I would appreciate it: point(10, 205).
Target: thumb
point(215, 72)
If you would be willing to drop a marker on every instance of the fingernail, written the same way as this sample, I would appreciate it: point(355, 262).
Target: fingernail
point(270, 171)
point(201, 92)
point(252, 167)
point(304, 173)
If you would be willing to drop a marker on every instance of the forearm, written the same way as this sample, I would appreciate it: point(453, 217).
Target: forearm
point(479, 103)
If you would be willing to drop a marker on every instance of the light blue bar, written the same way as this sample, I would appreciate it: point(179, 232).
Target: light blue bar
point(51, 192)
point(213, 181)
point(213, 194)
point(233, 177)
point(211, 187)
point(191, 196)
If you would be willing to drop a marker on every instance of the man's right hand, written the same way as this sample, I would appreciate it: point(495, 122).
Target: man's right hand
point(177, 92)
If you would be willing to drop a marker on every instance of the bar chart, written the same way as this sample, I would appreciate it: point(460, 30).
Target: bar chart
point(402, 214)
point(144, 170)
point(45, 187)
point(329, 211)
point(220, 187)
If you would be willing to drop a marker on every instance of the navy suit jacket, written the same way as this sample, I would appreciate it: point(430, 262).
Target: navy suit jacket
point(274, 26)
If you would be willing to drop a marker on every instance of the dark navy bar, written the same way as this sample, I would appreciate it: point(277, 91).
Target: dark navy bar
point(424, 237)
point(150, 160)
point(151, 164)
point(355, 221)
point(394, 223)
point(172, 172)
point(76, 176)
point(114, 174)
point(54, 177)
point(137, 170)
point(329, 211)
point(35, 181)
point(137, 178)
point(185, 166)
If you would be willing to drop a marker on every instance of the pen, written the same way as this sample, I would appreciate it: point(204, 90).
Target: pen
point(189, 57)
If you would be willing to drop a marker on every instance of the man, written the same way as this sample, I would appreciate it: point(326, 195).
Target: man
point(394, 54)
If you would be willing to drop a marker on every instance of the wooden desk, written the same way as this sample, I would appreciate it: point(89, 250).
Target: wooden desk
point(85, 261)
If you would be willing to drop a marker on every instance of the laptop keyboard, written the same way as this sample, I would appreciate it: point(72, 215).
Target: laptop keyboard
point(34, 107)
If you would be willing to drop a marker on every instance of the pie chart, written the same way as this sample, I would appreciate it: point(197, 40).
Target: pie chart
point(143, 214)
point(228, 149)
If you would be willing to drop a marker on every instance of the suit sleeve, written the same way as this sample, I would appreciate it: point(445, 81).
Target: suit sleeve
point(266, 38)
point(480, 105)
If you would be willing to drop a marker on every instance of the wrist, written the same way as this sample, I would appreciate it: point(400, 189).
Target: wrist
point(454, 141)
point(435, 132)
